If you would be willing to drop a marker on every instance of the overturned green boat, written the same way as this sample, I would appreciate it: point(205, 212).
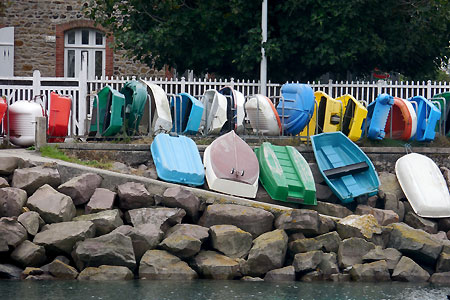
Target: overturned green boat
point(135, 98)
point(285, 174)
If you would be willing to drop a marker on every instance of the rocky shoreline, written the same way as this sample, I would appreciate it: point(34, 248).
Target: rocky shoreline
point(78, 230)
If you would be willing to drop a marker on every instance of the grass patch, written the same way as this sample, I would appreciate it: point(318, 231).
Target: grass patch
point(438, 142)
point(56, 153)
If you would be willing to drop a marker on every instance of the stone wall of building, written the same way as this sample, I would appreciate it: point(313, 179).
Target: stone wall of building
point(35, 24)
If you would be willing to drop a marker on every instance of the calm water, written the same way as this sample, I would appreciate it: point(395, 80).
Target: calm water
point(215, 290)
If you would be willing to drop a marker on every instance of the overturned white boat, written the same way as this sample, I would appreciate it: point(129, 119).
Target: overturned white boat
point(263, 115)
point(160, 108)
point(214, 113)
point(424, 185)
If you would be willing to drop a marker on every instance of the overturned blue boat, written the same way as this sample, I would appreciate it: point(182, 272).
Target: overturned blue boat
point(177, 159)
point(296, 107)
point(346, 169)
point(186, 113)
point(427, 117)
point(377, 115)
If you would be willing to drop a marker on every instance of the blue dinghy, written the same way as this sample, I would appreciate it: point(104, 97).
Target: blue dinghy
point(427, 117)
point(177, 159)
point(346, 169)
point(298, 107)
point(187, 114)
point(377, 115)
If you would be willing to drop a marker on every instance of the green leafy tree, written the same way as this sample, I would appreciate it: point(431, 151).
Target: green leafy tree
point(307, 38)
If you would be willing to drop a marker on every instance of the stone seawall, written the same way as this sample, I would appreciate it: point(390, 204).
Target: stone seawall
point(58, 221)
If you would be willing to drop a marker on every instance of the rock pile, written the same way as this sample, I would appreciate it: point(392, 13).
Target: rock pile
point(79, 230)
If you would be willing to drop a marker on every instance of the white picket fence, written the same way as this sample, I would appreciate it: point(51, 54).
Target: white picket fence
point(82, 90)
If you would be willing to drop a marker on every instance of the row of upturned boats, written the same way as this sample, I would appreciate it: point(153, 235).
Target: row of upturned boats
point(299, 112)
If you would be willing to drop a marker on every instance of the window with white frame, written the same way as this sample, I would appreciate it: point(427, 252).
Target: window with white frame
point(84, 40)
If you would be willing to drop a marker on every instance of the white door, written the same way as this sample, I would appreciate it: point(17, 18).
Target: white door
point(7, 52)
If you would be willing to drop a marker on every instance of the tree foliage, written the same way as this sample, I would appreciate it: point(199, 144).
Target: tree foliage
point(307, 38)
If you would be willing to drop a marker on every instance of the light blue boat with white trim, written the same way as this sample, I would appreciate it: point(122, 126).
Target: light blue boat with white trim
point(377, 115)
point(177, 159)
point(187, 114)
point(427, 117)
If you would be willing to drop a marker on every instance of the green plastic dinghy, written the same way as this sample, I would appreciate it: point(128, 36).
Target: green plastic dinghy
point(135, 97)
point(110, 112)
point(285, 174)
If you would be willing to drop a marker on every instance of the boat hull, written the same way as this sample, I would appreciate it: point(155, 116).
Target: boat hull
point(177, 160)
point(160, 109)
point(187, 114)
point(214, 113)
point(346, 169)
point(285, 174)
point(263, 115)
point(135, 99)
point(427, 117)
point(403, 120)
point(377, 114)
point(296, 107)
point(444, 100)
point(354, 115)
point(58, 119)
point(424, 186)
point(231, 166)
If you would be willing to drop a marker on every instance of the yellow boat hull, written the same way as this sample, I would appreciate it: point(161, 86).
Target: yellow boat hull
point(353, 117)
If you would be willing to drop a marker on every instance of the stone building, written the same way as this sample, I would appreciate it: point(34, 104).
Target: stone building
point(52, 35)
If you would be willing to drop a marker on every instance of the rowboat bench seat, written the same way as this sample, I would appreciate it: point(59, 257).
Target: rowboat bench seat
point(346, 170)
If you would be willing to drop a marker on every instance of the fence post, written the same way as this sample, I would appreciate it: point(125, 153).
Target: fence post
point(82, 99)
point(183, 84)
point(429, 90)
point(330, 87)
point(232, 83)
point(380, 84)
point(36, 83)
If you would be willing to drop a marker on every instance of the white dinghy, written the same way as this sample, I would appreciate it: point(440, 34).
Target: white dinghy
point(240, 114)
point(214, 113)
point(160, 109)
point(263, 115)
point(424, 185)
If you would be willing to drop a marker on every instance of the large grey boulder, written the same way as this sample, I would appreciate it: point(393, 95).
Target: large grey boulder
point(231, 240)
point(329, 266)
point(181, 198)
point(267, 253)
point(61, 237)
point(52, 206)
point(409, 270)
point(443, 262)
point(308, 261)
point(352, 250)
point(417, 222)
point(392, 202)
point(415, 243)
point(196, 231)
point(162, 217)
point(110, 249)
point(440, 278)
point(102, 199)
point(61, 270)
point(81, 188)
point(365, 226)
point(390, 255)
point(30, 179)
point(326, 224)
point(134, 195)
point(9, 164)
point(253, 220)
point(389, 184)
point(8, 271)
point(331, 209)
point(11, 201)
point(3, 182)
point(143, 237)
point(212, 265)
point(32, 222)
point(324, 193)
point(181, 245)
point(375, 271)
point(383, 217)
point(106, 273)
point(328, 242)
point(12, 232)
point(160, 264)
point(28, 254)
point(305, 221)
point(105, 221)
point(282, 274)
